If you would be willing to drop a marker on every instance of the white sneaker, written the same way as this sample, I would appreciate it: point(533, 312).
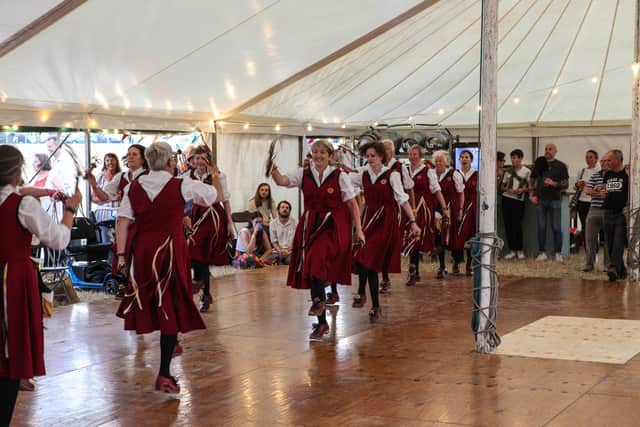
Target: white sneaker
point(521, 255)
point(510, 255)
point(542, 257)
point(559, 258)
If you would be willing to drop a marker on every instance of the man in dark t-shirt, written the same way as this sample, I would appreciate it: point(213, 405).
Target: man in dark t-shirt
point(548, 184)
point(616, 188)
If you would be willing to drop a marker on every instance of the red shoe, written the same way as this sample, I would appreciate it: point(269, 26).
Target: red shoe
point(358, 301)
point(319, 331)
point(375, 314)
point(317, 308)
point(332, 299)
point(205, 303)
point(167, 384)
point(177, 351)
point(385, 287)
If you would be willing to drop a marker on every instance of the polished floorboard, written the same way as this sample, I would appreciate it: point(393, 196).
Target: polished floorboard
point(255, 366)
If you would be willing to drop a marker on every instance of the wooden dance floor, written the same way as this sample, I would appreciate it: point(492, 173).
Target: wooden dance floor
point(255, 366)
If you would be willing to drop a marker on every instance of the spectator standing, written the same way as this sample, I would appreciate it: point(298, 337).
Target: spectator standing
point(282, 231)
point(616, 185)
point(545, 193)
point(584, 199)
point(515, 184)
point(41, 165)
point(595, 218)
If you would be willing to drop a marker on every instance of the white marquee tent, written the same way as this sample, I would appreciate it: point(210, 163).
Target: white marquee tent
point(564, 68)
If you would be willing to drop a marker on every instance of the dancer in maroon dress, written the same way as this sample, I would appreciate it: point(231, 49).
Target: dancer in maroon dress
point(209, 230)
point(21, 334)
point(321, 252)
point(466, 228)
point(428, 195)
point(407, 184)
point(154, 252)
point(384, 196)
point(452, 188)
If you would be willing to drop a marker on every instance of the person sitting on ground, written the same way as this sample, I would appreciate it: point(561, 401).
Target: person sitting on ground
point(282, 231)
point(253, 249)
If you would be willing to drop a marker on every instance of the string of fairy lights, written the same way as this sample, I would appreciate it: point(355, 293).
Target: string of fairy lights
point(91, 123)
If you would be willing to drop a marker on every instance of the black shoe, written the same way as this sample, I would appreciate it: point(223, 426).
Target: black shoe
point(588, 269)
point(622, 276)
point(613, 274)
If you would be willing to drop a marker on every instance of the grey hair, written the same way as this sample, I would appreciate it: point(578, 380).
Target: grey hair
point(618, 154)
point(158, 155)
point(443, 154)
point(388, 141)
point(11, 163)
point(418, 148)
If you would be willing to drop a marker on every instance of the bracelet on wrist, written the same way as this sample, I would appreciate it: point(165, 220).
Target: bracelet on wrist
point(70, 209)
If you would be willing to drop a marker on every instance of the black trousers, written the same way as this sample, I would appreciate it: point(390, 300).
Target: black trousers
point(583, 211)
point(615, 231)
point(512, 215)
point(8, 397)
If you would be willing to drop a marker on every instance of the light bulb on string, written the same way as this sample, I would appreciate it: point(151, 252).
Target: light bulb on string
point(375, 123)
point(344, 126)
point(277, 128)
point(245, 126)
point(309, 127)
point(440, 112)
point(516, 100)
point(635, 67)
point(594, 79)
point(478, 107)
point(554, 91)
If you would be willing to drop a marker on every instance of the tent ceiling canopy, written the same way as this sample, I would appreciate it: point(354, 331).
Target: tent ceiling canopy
point(328, 62)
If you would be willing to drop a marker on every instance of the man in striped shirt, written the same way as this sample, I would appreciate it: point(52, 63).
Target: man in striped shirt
point(595, 217)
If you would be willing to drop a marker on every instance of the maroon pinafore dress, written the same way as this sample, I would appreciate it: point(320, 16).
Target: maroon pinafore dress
point(322, 244)
point(452, 200)
point(21, 331)
point(425, 212)
point(381, 226)
point(159, 295)
point(208, 243)
point(467, 228)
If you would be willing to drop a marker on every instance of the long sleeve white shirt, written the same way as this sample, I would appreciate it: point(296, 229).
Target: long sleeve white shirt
point(346, 187)
point(192, 190)
point(394, 179)
point(33, 218)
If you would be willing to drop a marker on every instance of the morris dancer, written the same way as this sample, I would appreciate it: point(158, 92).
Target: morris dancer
point(383, 194)
point(428, 194)
point(452, 188)
point(466, 228)
point(21, 331)
point(407, 184)
point(155, 254)
point(209, 229)
point(321, 250)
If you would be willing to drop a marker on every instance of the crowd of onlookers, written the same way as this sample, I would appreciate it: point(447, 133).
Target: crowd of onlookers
point(599, 202)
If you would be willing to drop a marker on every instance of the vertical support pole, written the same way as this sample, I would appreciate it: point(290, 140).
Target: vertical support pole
point(634, 196)
point(488, 148)
point(87, 162)
point(300, 163)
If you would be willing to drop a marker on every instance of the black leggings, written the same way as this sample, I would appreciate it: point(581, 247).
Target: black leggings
point(414, 259)
point(8, 396)
point(167, 344)
point(317, 291)
point(365, 274)
point(201, 273)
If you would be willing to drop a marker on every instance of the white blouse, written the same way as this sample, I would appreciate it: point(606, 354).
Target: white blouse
point(394, 179)
point(346, 188)
point(33, 218)
point(112, 188)
point(154, 182)
point(434, 184)
point(223, 183)
point(406, 177)
point(457, 179)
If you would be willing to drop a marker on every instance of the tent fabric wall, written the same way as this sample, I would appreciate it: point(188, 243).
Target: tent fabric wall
point(241, 157)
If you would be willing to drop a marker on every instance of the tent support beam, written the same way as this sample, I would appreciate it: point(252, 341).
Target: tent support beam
point(487, 183)
point(38, 25)
point(425, 4)
point(634, 196)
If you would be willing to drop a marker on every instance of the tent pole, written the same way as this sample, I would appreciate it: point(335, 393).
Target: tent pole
point(634, 198)
point(87, 163)
point(487, 184)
